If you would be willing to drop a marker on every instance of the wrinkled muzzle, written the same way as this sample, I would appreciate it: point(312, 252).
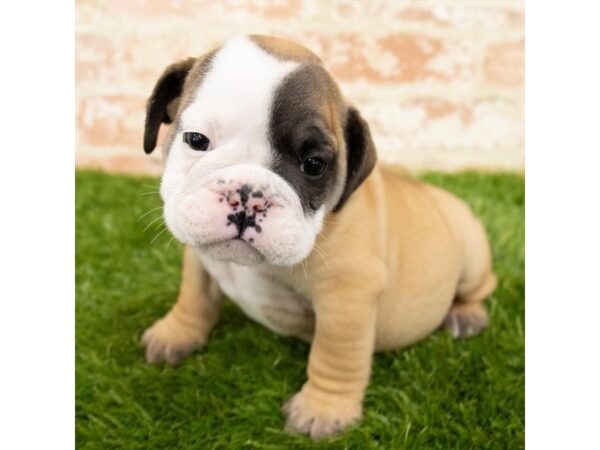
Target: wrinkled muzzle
point(243, 213)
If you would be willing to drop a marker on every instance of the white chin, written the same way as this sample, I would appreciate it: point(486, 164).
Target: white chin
point(234, 250)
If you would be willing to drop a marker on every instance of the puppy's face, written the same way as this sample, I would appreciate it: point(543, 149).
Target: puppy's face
point(261, 148)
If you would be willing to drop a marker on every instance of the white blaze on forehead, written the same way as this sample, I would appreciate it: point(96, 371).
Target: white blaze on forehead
point(233, 103)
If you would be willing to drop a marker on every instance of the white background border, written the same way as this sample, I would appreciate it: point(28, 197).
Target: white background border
point(562, 163)
point(37, 371)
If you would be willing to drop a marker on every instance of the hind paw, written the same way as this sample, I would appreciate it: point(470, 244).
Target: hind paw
point(466, 319)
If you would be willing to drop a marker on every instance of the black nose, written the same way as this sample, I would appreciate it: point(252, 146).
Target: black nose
point(241, 221)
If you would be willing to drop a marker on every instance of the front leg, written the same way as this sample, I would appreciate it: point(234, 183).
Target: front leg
point(339, 364)
point(187, 325)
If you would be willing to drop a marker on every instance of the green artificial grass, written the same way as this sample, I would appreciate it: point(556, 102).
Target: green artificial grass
point(438, 394)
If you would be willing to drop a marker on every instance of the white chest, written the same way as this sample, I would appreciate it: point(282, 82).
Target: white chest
point(264, 297)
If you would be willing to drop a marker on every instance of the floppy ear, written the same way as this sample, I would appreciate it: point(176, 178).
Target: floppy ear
point(360, 153)
point(164, 101)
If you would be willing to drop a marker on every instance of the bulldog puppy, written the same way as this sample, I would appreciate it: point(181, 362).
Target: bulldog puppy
point(271, 182)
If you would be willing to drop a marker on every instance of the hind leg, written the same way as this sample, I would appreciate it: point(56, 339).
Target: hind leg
point(467, 316)
point(466, 319)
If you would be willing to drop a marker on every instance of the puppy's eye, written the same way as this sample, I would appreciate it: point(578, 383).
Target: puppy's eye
point(313, 166)
point(196, 141)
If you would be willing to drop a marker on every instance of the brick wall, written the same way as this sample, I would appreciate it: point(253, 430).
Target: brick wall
point(441, 83)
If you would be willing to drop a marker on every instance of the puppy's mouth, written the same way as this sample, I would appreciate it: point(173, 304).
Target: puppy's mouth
point(235, 250)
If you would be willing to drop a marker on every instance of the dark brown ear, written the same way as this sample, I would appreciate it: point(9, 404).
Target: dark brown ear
point(162, 104)
point(361, 154)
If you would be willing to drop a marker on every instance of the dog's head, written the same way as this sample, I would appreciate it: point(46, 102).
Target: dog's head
point(262, 147)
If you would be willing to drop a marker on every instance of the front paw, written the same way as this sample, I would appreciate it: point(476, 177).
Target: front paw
point(320, 414)
point(171, 340)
